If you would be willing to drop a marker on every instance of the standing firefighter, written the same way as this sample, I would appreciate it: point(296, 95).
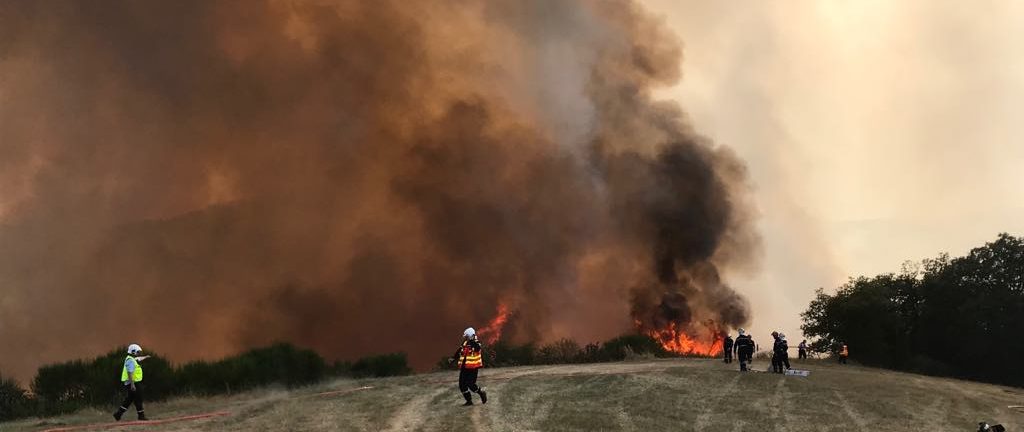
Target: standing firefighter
point(802, 350)
point(470, 359)
point(131, 378)
point(784, 353)
point(744, 349)
point(776, 357)
point(727, 348)
point(844, 353)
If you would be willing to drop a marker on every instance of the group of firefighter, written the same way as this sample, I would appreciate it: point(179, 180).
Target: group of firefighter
point(743, 347)
point(469, 359)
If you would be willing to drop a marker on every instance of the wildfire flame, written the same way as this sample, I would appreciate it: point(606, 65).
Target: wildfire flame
point(678, 341)
point(492, 332)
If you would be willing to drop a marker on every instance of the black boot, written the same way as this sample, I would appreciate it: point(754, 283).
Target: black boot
point(483, 396)
point(469, 398)
point(119, 413)
point(142, 416)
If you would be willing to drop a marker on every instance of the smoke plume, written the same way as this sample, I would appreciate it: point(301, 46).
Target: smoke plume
point(356, 177)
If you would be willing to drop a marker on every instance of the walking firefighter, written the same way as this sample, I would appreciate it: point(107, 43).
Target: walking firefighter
point(131, 380)
point(470, 359)
point(744, 349)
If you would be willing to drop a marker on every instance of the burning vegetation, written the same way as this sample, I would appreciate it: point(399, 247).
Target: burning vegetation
point(492, 332)
point(343, 173)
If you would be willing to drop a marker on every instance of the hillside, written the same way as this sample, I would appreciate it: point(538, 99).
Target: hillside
point(653, 395)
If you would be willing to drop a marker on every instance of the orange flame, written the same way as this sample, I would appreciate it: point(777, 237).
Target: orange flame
point(492, 333)
point(675, 340)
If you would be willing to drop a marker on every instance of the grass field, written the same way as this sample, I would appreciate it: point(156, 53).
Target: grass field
point(652, 395)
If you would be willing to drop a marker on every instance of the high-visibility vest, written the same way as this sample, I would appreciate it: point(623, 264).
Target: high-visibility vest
point(136, 376)
point(470, 358)
point(845, 352)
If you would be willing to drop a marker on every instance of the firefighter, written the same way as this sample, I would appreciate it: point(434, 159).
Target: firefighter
point(744, 347)
point(131, 379)
point(470, 359)
point(727, 348)
point(784, 353)
point(844, 353)
point(776, 358)
point(802, 350)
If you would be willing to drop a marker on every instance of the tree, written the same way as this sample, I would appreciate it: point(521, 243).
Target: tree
point(946, 316)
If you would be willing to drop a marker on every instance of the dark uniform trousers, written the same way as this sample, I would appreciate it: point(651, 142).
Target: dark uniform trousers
point(467, 380)
point(132, 397)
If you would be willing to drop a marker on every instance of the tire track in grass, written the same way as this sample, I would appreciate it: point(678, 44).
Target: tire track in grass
point(857, 419)
point(777, 407)
point(708, 404)
point(413, 412)
point(934, 415)
point(508, 415)
point(492, 413)
point(622, 418)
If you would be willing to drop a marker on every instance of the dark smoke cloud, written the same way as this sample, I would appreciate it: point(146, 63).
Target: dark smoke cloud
point(357, 177)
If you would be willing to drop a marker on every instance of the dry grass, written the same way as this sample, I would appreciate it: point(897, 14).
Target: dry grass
point(676, 395)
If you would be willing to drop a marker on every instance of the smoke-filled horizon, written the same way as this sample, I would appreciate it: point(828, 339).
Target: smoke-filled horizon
point(355, 177)
point(875, 131)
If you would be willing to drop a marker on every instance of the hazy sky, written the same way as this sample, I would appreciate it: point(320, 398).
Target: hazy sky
point(875, 131)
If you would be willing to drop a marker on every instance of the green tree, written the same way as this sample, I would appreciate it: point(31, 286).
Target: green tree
point(945, 316)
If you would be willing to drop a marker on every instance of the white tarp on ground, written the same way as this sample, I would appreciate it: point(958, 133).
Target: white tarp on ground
point(797, 372)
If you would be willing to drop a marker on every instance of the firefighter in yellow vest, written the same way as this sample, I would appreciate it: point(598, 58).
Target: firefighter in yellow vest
point(131, 378)
point(470, 359)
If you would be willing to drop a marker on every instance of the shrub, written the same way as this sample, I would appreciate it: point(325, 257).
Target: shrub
point(929, 366)
point(61, 387)
point(616, 349)
point(14, 402)
point(560, 352)
point(592, 353)
point(381, 366)
point(505, 354)
point(280, 363)
point(340, 368)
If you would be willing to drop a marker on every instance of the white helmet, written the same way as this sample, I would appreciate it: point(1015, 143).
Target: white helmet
point(782, 336)
point(742, 332)
point(469, 332)
point(134, 349)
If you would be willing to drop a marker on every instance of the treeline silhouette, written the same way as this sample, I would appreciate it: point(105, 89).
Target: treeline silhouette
point(568, 351)
point(69, 386)
point(960, 317)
